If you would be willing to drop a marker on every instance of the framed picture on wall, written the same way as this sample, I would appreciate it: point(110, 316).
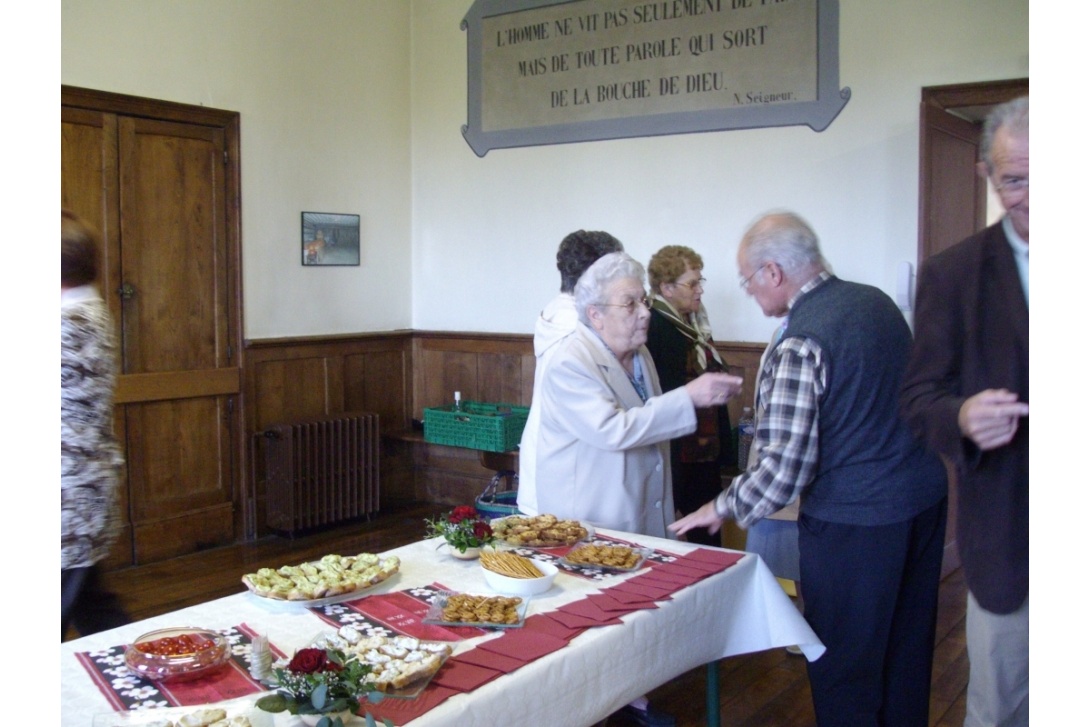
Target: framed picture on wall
point(331, 239)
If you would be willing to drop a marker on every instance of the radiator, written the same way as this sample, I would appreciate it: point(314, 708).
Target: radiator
point(322, 471)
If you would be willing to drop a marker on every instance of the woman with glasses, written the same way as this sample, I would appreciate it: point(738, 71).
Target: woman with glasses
point(602, 445)
point(679, 338)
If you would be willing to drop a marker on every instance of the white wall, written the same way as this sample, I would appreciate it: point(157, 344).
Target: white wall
point(485, 231)
point(357, 105)
point(323, 93)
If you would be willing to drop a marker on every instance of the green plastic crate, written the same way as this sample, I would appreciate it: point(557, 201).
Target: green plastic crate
point(491, 427)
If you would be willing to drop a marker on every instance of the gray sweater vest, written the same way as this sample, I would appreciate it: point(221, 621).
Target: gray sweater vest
point(871, 470)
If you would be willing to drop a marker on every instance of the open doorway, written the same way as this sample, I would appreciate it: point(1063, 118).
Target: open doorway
point(953, 197)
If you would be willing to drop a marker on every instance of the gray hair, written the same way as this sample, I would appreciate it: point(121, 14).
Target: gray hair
point(1012, 116)
point(594, 283)
point(783, 238)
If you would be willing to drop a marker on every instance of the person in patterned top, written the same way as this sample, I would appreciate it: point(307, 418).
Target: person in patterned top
point(90, 457)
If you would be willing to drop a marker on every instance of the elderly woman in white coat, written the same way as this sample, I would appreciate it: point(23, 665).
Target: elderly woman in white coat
point(606, 426)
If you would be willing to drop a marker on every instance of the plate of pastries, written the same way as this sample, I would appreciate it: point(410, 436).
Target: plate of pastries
point(540, 531)
point(401, 666)
point(329, 580)
point(467, 609)
point(621, 558)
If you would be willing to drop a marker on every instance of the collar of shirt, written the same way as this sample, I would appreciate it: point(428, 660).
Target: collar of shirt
point(1020, 248)
point(810, 285)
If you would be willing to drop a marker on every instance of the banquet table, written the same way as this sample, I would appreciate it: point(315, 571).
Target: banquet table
point(738, 610)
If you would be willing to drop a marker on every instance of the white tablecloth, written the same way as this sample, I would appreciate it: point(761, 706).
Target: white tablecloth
point(740, 610)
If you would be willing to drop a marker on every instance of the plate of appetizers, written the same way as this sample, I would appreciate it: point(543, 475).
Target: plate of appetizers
point(540, 531)
point(332, 579)
point(401, 666)
point(619, 558)
point(480, 611)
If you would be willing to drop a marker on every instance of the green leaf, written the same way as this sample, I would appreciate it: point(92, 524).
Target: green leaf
point(318, 696)
point(272, 703)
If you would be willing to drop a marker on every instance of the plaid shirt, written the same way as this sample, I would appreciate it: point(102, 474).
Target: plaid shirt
point(793, 379)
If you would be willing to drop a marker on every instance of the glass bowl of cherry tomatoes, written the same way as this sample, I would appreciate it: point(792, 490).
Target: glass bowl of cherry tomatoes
point(177, 654)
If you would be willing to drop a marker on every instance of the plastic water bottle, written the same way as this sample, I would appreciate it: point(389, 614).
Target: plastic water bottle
point(457, 401)
point(746, 429)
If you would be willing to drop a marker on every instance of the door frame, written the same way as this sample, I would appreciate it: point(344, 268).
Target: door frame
point(972, 102)
point(229, 122)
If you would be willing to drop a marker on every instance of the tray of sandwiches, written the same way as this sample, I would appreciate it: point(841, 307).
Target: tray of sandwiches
point(332, 579)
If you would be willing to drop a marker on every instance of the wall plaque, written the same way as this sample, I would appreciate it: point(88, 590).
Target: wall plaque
point(556, 71)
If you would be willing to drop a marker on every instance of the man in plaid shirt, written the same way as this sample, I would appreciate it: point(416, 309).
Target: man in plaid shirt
point(873, 501)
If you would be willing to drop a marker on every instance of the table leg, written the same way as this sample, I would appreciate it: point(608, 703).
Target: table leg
point(712, 693)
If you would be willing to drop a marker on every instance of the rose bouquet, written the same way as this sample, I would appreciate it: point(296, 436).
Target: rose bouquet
point(321, 682)
point(462, 528)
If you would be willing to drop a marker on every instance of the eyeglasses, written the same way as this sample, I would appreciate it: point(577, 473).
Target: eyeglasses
point(630, 306)
point(743, 283)
point(692, 284)
point(1010, 185)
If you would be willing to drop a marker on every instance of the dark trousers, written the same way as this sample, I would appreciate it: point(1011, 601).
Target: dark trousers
point(86, 604)
point(872, 599)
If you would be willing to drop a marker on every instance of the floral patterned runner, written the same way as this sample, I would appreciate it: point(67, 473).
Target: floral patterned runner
point(400, 612)
point(126, 691)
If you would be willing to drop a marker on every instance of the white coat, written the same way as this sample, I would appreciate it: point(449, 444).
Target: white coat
point(603, 455)
point(556, 322)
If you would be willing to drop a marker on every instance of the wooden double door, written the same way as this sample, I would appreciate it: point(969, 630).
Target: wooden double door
point(160, 181)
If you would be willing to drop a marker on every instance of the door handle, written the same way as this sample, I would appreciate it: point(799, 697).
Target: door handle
point(127, 291)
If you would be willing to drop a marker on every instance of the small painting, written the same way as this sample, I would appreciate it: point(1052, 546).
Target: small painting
point(331, 239)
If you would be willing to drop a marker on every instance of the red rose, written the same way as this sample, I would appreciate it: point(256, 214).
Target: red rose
point(482, 530)
point(462, 512)
point(309, 661)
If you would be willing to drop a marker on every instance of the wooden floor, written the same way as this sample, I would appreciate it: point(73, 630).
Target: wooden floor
point(767, 688)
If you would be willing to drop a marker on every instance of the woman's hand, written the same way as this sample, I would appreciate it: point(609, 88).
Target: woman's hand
point(713, 389)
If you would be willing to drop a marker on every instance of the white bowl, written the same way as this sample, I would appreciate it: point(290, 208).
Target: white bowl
point(522, 586)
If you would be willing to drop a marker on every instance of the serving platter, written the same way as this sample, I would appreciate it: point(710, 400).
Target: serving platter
point(331, 640)
point(642, 556)
point(498, 525)
point(380, 572)
point(435, 614)
point(328, 600)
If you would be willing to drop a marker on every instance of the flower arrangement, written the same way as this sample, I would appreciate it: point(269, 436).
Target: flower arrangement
point(462, 528)
point(322, 682)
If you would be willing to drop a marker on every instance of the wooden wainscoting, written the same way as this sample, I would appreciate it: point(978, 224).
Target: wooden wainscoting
point(397, 374)
point(494, 368)
point(299, 379)
point(490, 367)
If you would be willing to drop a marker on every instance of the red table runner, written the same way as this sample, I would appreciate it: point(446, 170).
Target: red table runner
point(126, 691)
